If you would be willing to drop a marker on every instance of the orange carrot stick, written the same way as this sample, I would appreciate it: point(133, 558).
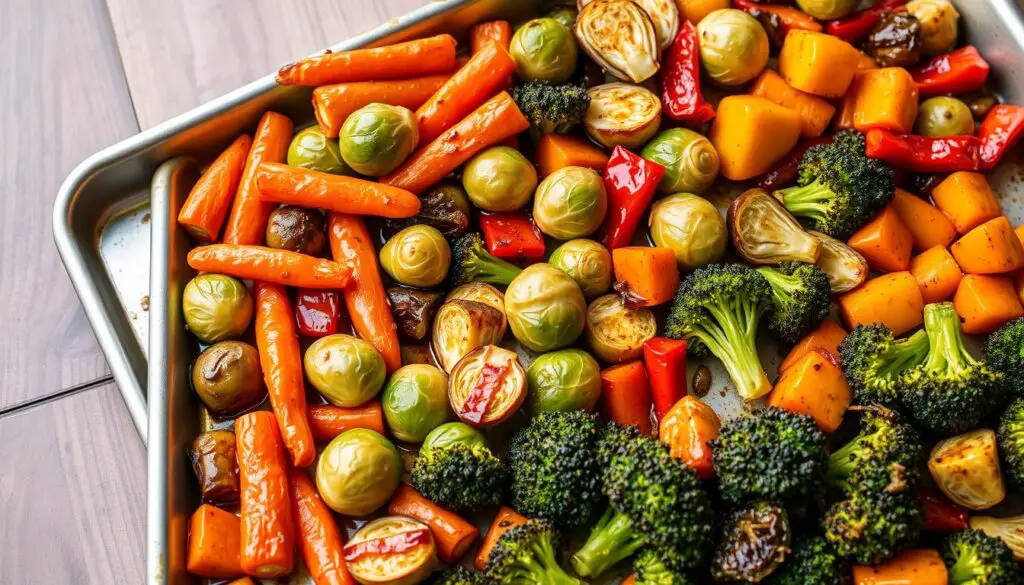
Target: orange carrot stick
point(367, 303)
point(452, 535)
point(399, 61)
point(281, 361)
point(320, 540)
point(268, 529)
point(332, 104)
point(214, 542)
point(270, 265)
point(281, 183)
point(208, 203)
point(247, 222)
point(480, 35)
point(626, 395)
point(507, 518)
point(494, 121)
point(249, 581)
point(485, 73)
point(328, 421)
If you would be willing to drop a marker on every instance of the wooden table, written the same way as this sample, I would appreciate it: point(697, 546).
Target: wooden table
point(75, 76)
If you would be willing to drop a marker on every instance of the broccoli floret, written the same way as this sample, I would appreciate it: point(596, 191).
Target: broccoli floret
point(974, 558)
point(655, 501)
point(813, 561)
point(800, 298)
point(551, 109)
point(459, 576)
point(526, 555)
point(1004, 353)
point(553, 467)
point(874, 360)
point(753, 543)
point(950, 392)
point(770, 454)
point(717, 309)
point(884, 449)
point(649, 570)
point(839, 188)
point(1011, 441)
point(871, 527)
point(471, 262)
point(459, 476)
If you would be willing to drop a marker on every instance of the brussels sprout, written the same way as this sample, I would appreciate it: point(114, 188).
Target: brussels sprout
point(939, 24)
point(690, 161)
point(620, 37)
point(462, 326)
point(763, 231)
point(615, 332)
point(453, 433)
point(691, 227)
point(297, 229)
point(488, 371)
point(733, 46)
point(416, 256)
point(622, 114)
point(228, 378)
point(943, 116)
point(358, 471)
point(346, 370)
point(545, 308)
point(587, 262)
point(544, 50)
point(375, 139)
point(414, 310)
point(499, 179)
point(444, 207)
point(828, 9)
point(406, 565)
point(570, 203)
point(966, 469)
point(563, 380)
point(415, 401)
point(482, 292)
point(216, 307)
point(845, 267)
point(664, 15)
point(566, 15)
point(311, 149)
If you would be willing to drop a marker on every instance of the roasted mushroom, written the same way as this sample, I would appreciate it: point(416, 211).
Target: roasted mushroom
point(414, 310)
point(462, 326)
point(487, 386)
point(754, 541)
point(763, 232)
point(622, 114)
point(845, 267)
point(297, 229)
point(444, 207)
point(895, 41)
point(620, 37)
point(615, 332)
point(213, 460)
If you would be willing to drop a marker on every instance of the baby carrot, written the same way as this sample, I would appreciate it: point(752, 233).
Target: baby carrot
point(208, 203)
point(332, 104)
point(214, 541)
point(281, 183)
point(320, 540)
point(282, 370)
point(507, 518)
point(247, 222)
point(328, 421)
point(399, 61)
point(452, 535)
point(270, 265)
point(499, 31)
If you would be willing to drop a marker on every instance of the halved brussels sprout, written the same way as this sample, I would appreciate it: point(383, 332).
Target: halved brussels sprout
point(733, 46)
point(620, 37)
point(372, 562)
point(346, 370)
point(545, 308)
point(622, 114)
point(444, 207)
point(453, 433)
point(417, 256)
point(357, 472)
point(544, 50)
point(228, 378)
point(563, 380)
point(311, 149)
point(828, 9)
point(415, 402)
point(499, 179)
point(377, 138)
point(462, 326)
point(570, 203)
point(216, 307)
point(487, 386)
point(691, 227)
point(664, 15)
point(943, 116)
point(763, 231)
point(690, 160)
point(966, 469)
point(1010, 530)
point(845, 267)
point(617, 333)
point(587, 262)
point(482, 292)
point(940, 24)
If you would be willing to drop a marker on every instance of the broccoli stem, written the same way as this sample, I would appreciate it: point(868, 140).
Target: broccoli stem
point(948, 352)
point(842, 463)
point(904, 354)
point(808, 201)
point(612, 540)
point(732, 337)
point(543, 567)
point(495, 271)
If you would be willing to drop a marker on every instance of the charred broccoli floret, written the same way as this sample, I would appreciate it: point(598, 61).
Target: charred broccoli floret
point(459, 476)
point(553, 467)
point(770, 454)
point(551, 109)
point(800, 299)
point(1010, 438)
point(813, 560)
point(950, 392)
point(459, 576)
point(868, 462)
point(874, 362)
point(717, 309)
point(871, 527)
point(839, 189)
point(527, 555)
point(1004, 353)
point(649, 570)
point(471, 262)
point(656, 501)
point(753, 543)
point(974, 558)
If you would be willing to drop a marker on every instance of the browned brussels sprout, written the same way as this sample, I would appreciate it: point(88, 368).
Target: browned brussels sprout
point(213, 460)
point(414, 310)
point(228, 377)
point(297, 229)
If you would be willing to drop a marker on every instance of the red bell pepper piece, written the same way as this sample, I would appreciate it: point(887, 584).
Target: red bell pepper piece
point(962, 71)
point(512, 235)
point(666, 367)
point(626, 395)
point(854, 27)
point(941, 515)
point(631, 182)
point(317, 312)
point(680, 97)
point(1001, 129)
point(785, 171)
point(922, 154)
point(789, 18)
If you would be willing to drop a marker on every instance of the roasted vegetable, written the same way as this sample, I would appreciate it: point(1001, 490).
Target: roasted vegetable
point(587, 262)
point(544, 50)
point(463, 474)
point(357, 472)
point(570, 203)
point(733, 46)
point(311, 149)
point(228, 378)
point(691, 227)
point(213, 461)
point(444, 207)
point(377, 138)
point(528, 554)
point(975, 558)
point(874, 362)
point(481, 292)
point(551, 109)
point(896, 41)
point(545, 308)
point(754, 541)
point(472, 262)
point(845, 267)
point(763, 232)
point(458, 576)
point(690, 160)
point(812, 561)
point(622, 114)
point(1010, 438)
point(371, 561)
point(943, 116)
point(1004, 353)
point(562, 381)
point(415, 402)
point(348, 371)
point(800, 299)
point(620, 37)
point(487, 386)
point(828, 9)
point(216, 307)
point(416, 256)
point(940, 24)
point(453, 433)
point(615, 332)
point(871, 527)
point(414, 310)
point(297, 229)
point(884, 449)
point(649, 570)
point(966, 469)
point(1009, 530)
point(462, 326)
point(499, 179)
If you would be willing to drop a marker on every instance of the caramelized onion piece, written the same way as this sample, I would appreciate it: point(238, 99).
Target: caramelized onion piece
point(619, 36)
point(763, 232)
point(845, 267)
